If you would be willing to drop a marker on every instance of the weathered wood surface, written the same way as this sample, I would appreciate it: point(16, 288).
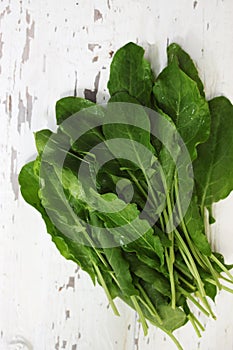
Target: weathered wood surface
point(50, 49)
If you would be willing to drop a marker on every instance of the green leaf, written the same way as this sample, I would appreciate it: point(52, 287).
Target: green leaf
point(29, 192)
point(221, 259)
point(134, 124)
point(130, 140)
point(178, 96)
point(123, 96)
point(177, 54)
point(57, 206)
point(82, 255)
point(210, 289)
point(155, 296)
point(114, 256)
point(68, 106)
point(172, 318)
point(131, 73)
point(163, 237)
point(121, 269)
point(122, 220)
point(148, 249)
point(160, 283)
point(196, 229)
point(213, 169)
point(41, 138)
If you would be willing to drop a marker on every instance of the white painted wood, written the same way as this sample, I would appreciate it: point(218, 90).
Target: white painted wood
point(49, 49)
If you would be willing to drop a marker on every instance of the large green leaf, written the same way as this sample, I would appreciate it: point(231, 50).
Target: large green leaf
point(131, 73)
point(129, 140)
point(213, 169)
point(82, 255)
point(178, 96)
point(176, 53)
point(69, 117)
point(68, 106)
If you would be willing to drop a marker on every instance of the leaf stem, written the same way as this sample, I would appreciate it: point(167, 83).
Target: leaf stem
point(141, 189)
point(102, 282)
point(149, 304)
point(173, 338)
point(190, 317)
point(170, 263)
point(225, 279)
point(194, 301)
point(222, 285)
point(190, 243)
point(187, 283)
point(213, 272)
point(195, 273)
point(201, 259)
point(140, 314)
point(224, 269)
point(202, 328)
point(172, 281)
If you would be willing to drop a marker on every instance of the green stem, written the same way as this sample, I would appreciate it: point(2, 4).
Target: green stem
point(196, 274)
point(179, 267)
point(140, 313)
point(187, 262)
point(173, 338)
point(171, 259)
point(207, 305)
point(202, 328)
point(201, 259)
point(190, 243)
point(102, 282)
point(194, 301)
point(172, 280)
point(222, 286)
point(141, 189)
point(170, 266)
point(149, 304)
point(224, 269)
point(161, 222)
point(225, 279)
point(187, 283)
point(213, 272)
point(194, 325)
point(192, 263)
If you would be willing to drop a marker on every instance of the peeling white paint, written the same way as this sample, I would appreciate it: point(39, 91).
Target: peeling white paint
point(14, 174)
point(44, 298)
point(21, 113)
point(1, 45)
point(71, 283)
point(29, 107)
point(29, 35)
point(97, 15)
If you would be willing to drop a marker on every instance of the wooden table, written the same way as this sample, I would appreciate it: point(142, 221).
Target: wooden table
point(50, 49)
